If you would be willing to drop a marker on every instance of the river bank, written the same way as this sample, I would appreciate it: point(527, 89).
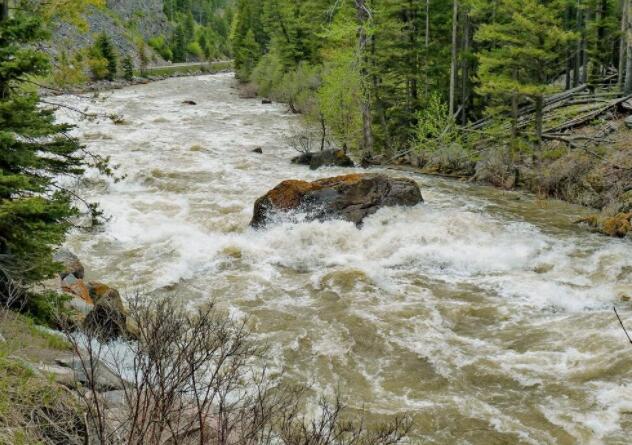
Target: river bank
point(599, 177)
point(151, 74)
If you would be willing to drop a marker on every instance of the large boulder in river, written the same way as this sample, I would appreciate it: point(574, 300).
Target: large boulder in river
point(351, 198)
point(337, 158)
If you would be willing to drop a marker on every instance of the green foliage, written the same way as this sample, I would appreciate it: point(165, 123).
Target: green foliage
point(99, 67)
point(247, 55)
point(45, 308)
point(69, 70)
point(435, 127)
point(128, 68)
point(200, 29)
point(159, 44)
point(35, 210)
point(526, 38)
point(104, 49)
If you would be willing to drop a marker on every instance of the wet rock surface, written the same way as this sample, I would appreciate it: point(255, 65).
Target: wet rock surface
point(351, 198)
point(315, 160)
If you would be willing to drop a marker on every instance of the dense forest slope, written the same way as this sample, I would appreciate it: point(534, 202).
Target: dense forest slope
point(516, 93)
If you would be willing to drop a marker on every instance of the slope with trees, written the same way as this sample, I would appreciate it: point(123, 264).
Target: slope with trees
point(492, 89)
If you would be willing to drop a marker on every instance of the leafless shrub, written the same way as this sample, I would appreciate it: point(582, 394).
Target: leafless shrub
point(197, 377)
point(12, 290)
point(306, 140)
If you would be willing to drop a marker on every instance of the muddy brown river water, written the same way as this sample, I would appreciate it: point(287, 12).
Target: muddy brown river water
point(486, 314)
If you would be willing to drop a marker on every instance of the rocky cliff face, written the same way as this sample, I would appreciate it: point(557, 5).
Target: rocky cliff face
point(146, 16)
point(122, 20)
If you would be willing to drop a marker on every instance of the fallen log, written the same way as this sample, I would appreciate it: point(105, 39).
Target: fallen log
point(576, 122)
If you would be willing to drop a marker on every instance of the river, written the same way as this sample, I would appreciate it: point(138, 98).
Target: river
point(487, 314)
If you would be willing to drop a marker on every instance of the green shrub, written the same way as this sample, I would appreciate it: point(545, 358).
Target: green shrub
point(98, 68)
point(69, 70)
point(46, 308)
point(268, 73)
point(435, 128)
point(195, 50)
point(159, 44)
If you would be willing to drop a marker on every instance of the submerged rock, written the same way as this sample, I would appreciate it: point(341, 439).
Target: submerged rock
point(323, 158)
point(351, 197)
point(258, 150)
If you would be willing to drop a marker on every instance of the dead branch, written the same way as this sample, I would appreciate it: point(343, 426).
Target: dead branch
point(622, 325)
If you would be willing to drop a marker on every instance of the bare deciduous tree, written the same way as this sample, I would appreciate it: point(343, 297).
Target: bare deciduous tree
point(197, 377)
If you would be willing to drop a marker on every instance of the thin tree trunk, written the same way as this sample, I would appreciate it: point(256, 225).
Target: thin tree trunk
point(586, 62)
point(569, 54)
point(323, 132)
point(453, 67)
point(363, 16)
point(427, 47)
point(465, 93)
point(628, 59)
point(4, 10)
point(514, 116)
point(578, 48)
point(539, 117)
point(623, 43)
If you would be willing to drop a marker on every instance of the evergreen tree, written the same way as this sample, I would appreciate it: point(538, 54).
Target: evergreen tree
point(106, 49)
point(34, 150)
point(179, 44)
point(525, 38)
point(128, 68)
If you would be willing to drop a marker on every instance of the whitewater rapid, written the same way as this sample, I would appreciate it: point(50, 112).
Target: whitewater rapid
point(486, 314)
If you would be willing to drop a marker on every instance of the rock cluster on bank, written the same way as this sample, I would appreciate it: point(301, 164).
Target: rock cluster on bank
point(103, 311)
point(315, 160)
point(350, 198)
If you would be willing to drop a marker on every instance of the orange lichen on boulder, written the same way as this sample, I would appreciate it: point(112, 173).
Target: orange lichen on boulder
point(288, 194)
point(348, 197)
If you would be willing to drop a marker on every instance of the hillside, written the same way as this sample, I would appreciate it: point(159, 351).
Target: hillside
point(147, 32)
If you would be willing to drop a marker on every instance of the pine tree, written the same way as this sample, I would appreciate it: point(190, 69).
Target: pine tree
point(106, 49)
point(179, 44)
point(34, 150)
point(128, 68)
point(525, 41)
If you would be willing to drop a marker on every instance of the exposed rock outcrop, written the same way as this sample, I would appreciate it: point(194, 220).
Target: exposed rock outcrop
point(324, 158)
point(97, 307)
point(351, 198)
point(108, 319)
point(70, 262)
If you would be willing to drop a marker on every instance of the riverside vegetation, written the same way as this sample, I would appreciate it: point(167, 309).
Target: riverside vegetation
point(463, 88)
point(515, 93)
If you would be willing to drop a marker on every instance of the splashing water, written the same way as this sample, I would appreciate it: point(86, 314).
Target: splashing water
point(486, 314)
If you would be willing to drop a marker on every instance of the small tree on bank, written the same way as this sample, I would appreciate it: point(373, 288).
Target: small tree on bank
point(128, 68)
point(105, 49)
